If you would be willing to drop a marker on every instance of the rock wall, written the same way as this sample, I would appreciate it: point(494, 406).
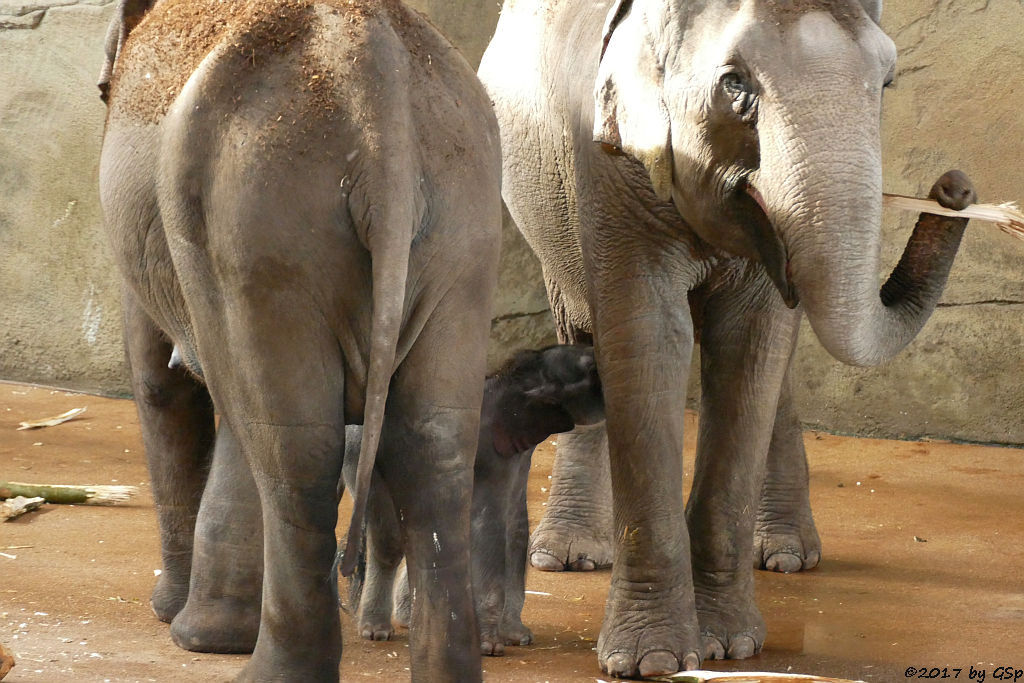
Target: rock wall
point(955, 104)
point(59, 297)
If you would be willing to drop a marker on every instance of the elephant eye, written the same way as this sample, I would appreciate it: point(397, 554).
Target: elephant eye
point(739, 91)
point(889, 78)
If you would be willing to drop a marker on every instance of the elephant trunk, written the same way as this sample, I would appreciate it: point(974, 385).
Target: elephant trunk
point(828, 212)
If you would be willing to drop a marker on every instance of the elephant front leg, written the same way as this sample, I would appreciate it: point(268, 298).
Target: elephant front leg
point(489, 526)
point(383, 556)
point(176, 417)
point(575, 533)
point(517, 536)
point(785, 537)
point(746, 342)
point(644, 338)
point(223, 609)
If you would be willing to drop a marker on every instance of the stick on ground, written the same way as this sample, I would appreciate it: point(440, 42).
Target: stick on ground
point(69, 495)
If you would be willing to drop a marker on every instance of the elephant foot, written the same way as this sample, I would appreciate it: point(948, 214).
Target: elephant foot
point(491, 644)
point(513, 632)
point(402, 599)
point(731, 624)
point(375, 627)
point(168, 598)
point(266, 670)
point(786, 544)
point(559, 544)
point(647, 634)
point(227, 626)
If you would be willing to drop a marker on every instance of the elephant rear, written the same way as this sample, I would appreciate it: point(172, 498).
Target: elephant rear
point(318, 235)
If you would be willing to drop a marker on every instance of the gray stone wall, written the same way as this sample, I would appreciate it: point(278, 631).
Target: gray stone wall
point(955, 104)
point(60, 321)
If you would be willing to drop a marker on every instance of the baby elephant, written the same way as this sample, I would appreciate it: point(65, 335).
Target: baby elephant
point(535, 394)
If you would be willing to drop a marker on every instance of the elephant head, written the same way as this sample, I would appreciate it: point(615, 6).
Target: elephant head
point(760, 120)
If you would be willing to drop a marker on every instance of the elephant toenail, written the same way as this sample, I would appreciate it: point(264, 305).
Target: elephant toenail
point(713, 648)
point(742, 647)
point(619, 664)
point(785, 563)
point(691, 662)
point(813, 558)
point(658, 663)
point(546, 562)
point(583, 564)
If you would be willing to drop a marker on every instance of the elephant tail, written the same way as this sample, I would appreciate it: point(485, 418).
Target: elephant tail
point(387, 231)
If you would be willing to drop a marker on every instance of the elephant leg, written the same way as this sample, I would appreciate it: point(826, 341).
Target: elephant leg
point(383, 556)
point(402, 599)
point(284, 404)
point(747, 339)
point(428, 449)
point(176, 417)
point(785, 537)
point(517, 535)
point(643, 343)
point(575, 532)
point(492, 474)
point(223, 609)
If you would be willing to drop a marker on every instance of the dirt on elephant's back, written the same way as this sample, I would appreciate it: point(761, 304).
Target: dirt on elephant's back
point(167, 46)
point(171, 41)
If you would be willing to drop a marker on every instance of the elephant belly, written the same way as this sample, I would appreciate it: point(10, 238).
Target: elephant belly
point(540, 82)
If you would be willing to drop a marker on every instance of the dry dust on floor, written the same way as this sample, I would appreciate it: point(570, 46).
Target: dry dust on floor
point(923, 568)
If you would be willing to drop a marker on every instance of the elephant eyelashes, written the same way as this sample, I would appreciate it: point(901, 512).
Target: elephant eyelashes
point(739, 92)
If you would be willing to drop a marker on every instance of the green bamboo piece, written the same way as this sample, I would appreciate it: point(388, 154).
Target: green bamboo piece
point(68, 495)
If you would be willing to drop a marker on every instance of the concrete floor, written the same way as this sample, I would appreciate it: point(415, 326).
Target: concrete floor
point(923, 567)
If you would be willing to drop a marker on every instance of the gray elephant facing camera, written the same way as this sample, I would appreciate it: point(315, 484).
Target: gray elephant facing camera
point(535, 394)
point(680, 165)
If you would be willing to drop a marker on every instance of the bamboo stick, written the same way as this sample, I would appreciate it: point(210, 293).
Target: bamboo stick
point(51, 421)
point(1008, 217)
point(69, 495)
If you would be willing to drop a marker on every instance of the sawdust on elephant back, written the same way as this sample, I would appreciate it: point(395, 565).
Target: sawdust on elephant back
point(170, 43)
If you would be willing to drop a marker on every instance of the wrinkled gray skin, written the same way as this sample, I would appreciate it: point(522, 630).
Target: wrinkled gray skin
point(536, 394)
point(310, 249)
point(718, 161)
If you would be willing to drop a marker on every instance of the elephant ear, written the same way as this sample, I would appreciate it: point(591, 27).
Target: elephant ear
point(126, 17)
point(630, 113)
point(874, 9)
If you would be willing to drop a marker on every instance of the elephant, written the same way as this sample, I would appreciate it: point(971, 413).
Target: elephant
point(534, 394)
point(719, 160)
point(303, 199)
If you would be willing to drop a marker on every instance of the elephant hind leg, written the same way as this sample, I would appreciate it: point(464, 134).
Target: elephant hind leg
point(426, 459)
point(223, 609)
point(785, 537)
point(284, 404)
point(176, 417)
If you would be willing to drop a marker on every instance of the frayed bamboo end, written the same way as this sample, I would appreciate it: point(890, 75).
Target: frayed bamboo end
point(109, 495)
point(1007, 217)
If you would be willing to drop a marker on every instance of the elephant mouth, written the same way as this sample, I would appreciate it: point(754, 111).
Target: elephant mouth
point(766, 240)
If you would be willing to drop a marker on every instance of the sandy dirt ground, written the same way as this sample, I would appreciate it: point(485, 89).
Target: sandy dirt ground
point(923, 568)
